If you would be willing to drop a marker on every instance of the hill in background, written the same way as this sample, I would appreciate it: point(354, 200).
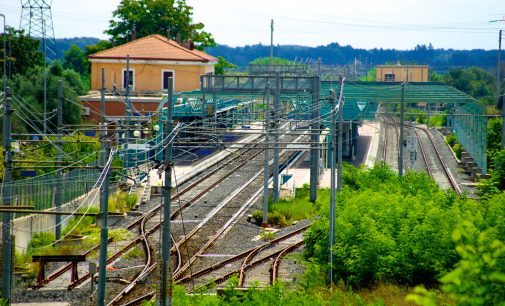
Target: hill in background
point(440, 60)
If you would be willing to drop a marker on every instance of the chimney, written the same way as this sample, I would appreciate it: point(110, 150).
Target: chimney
point(134, 34)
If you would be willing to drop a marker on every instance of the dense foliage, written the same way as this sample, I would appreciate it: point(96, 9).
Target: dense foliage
point(22, 52)
point(28, 90)
point(474, 81)
point(391, 229)
point(171, 18)
point(222, 66)
point(440, 60)
point(75, 58)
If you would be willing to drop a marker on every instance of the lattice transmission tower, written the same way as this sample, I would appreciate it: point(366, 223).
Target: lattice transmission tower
point(37, 21)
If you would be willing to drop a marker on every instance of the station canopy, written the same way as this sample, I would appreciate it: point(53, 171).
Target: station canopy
point(464, 115)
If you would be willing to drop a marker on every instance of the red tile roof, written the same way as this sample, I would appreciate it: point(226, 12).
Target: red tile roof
point(154, 47)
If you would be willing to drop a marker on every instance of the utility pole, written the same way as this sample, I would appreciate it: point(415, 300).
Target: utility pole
point(275, 170)
point(314, 139)
point(498, 92)
point(45, 76)
point(266, 168)
point(104, 200)
point(166, 275)
point(7, 201)
point(128, 110)
point(332, 184)
point(271, 42)
point(319, 170)
point(58, 196)
point(5, 52)
point(340, 134)
point(400, 141)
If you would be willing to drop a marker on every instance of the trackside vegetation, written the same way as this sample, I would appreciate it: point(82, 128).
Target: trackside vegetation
point(398, 241)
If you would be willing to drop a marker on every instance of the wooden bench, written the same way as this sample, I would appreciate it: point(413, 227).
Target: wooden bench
point(42, 259)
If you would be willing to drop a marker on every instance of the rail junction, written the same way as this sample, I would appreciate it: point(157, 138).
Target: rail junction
point(220, 170)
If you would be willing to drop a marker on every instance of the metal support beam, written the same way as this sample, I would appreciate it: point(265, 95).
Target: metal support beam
point(314, 138)
point(59, 186)
point(266, 168)
point(104, 201)
point(128, 113)
point(332, 184)
point(104, 231)
point(400, 141)
point(498, 91)
point(275, 166)
point(7, 200)
point(166, 274)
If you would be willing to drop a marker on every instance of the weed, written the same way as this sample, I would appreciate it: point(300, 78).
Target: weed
point(267, 235)
point(133, 253)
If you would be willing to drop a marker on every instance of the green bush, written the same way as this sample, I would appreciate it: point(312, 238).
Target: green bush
point(131, 200)
point(450, 139)
point(391, 229)
point(438, 121)
point(457, 148)
point(479, 277)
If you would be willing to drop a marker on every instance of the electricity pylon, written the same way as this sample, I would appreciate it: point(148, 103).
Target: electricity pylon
point(37, 21)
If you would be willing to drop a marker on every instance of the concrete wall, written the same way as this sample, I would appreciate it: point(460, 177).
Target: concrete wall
point(23, 228)
point(416, 73)
point(148, 77)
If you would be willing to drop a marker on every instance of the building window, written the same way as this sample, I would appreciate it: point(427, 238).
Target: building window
point(389, 77)
point(165, 75)
point(131, 78)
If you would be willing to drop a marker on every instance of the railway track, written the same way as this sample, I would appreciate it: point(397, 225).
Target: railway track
point(226, 214)
point(433, 160)
point(220, 219)
point(199, 182)
point(193, 192)
point(243, 262)
point(390, 142)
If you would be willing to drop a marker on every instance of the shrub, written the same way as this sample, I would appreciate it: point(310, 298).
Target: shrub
point(450, 139)
point(479, 277)
point(391, 229)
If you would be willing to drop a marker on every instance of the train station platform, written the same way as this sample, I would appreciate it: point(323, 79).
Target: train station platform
point(368, 142)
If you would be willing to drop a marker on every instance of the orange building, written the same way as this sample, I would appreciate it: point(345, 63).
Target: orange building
point(402, 73)
point(151, 60)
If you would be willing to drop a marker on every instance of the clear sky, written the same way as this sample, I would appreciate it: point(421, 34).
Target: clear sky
point(458, 24)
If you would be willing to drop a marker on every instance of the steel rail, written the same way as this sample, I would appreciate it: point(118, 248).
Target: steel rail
point(182, 268)
point(140, 299)
point(423, 154)
point(225, 262)
point(148, 267)
point(274, 270)
point(450, 177)
point(67, 267)
point(249, 266)
point(150, 214)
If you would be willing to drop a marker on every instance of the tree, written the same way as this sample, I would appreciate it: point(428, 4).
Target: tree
point(100, 46)
point(74, 58)
point(29, 92)
point(222, 65)
point(275, 61)
point(24, 52)
point(475, 81)
point(171, 18)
